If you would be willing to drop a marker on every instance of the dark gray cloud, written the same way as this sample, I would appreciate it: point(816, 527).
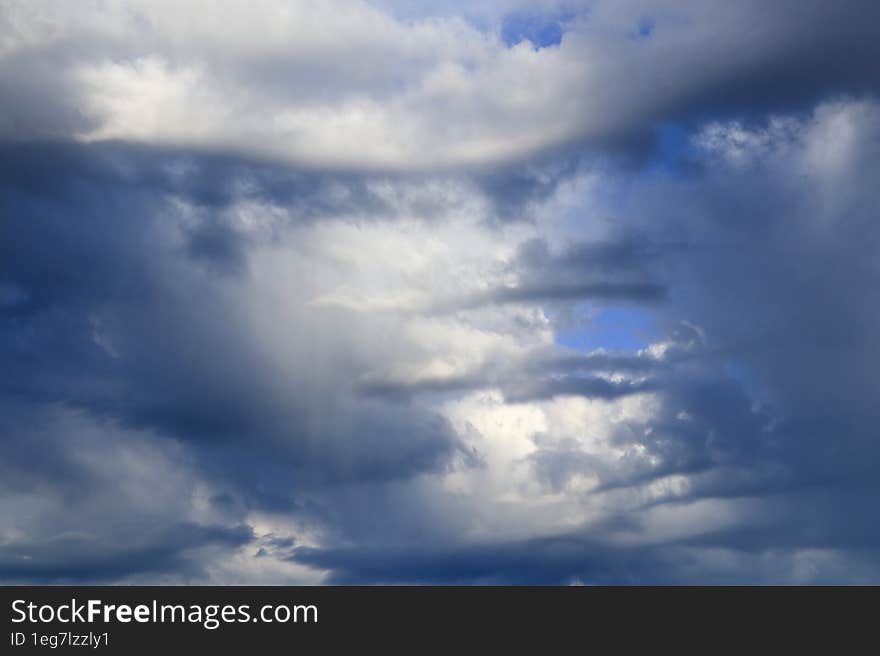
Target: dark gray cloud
point(114, 312)
point(568, 560)
point(602, 272)
point(177, 550)
point(91, 501)
point(592, 387)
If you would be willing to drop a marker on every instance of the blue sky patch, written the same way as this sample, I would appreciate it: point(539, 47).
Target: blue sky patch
point(613, 329)
point(541, 31)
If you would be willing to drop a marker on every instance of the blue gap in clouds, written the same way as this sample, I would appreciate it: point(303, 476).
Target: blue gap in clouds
point(612, 329)
point(541, 31)
point(643, 30)
point(673, 149)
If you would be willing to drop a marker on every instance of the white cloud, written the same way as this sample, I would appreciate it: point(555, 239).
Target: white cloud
point(346, 84)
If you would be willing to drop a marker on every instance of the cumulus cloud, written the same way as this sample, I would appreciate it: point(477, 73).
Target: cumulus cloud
point(321, 292)
point(346, 84)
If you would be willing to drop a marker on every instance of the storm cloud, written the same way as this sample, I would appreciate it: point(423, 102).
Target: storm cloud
point(389, 292)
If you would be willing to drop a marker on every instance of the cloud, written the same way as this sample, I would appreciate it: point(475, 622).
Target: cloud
point(346, 84)
point(86, 500)
point(318, 292)
point(604, 271)
point(755, 403)
point(155, 338)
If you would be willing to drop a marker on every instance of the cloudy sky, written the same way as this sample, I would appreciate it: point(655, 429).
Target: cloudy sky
point(335, 291)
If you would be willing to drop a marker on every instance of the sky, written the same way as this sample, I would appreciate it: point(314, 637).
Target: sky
point(488, 292)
